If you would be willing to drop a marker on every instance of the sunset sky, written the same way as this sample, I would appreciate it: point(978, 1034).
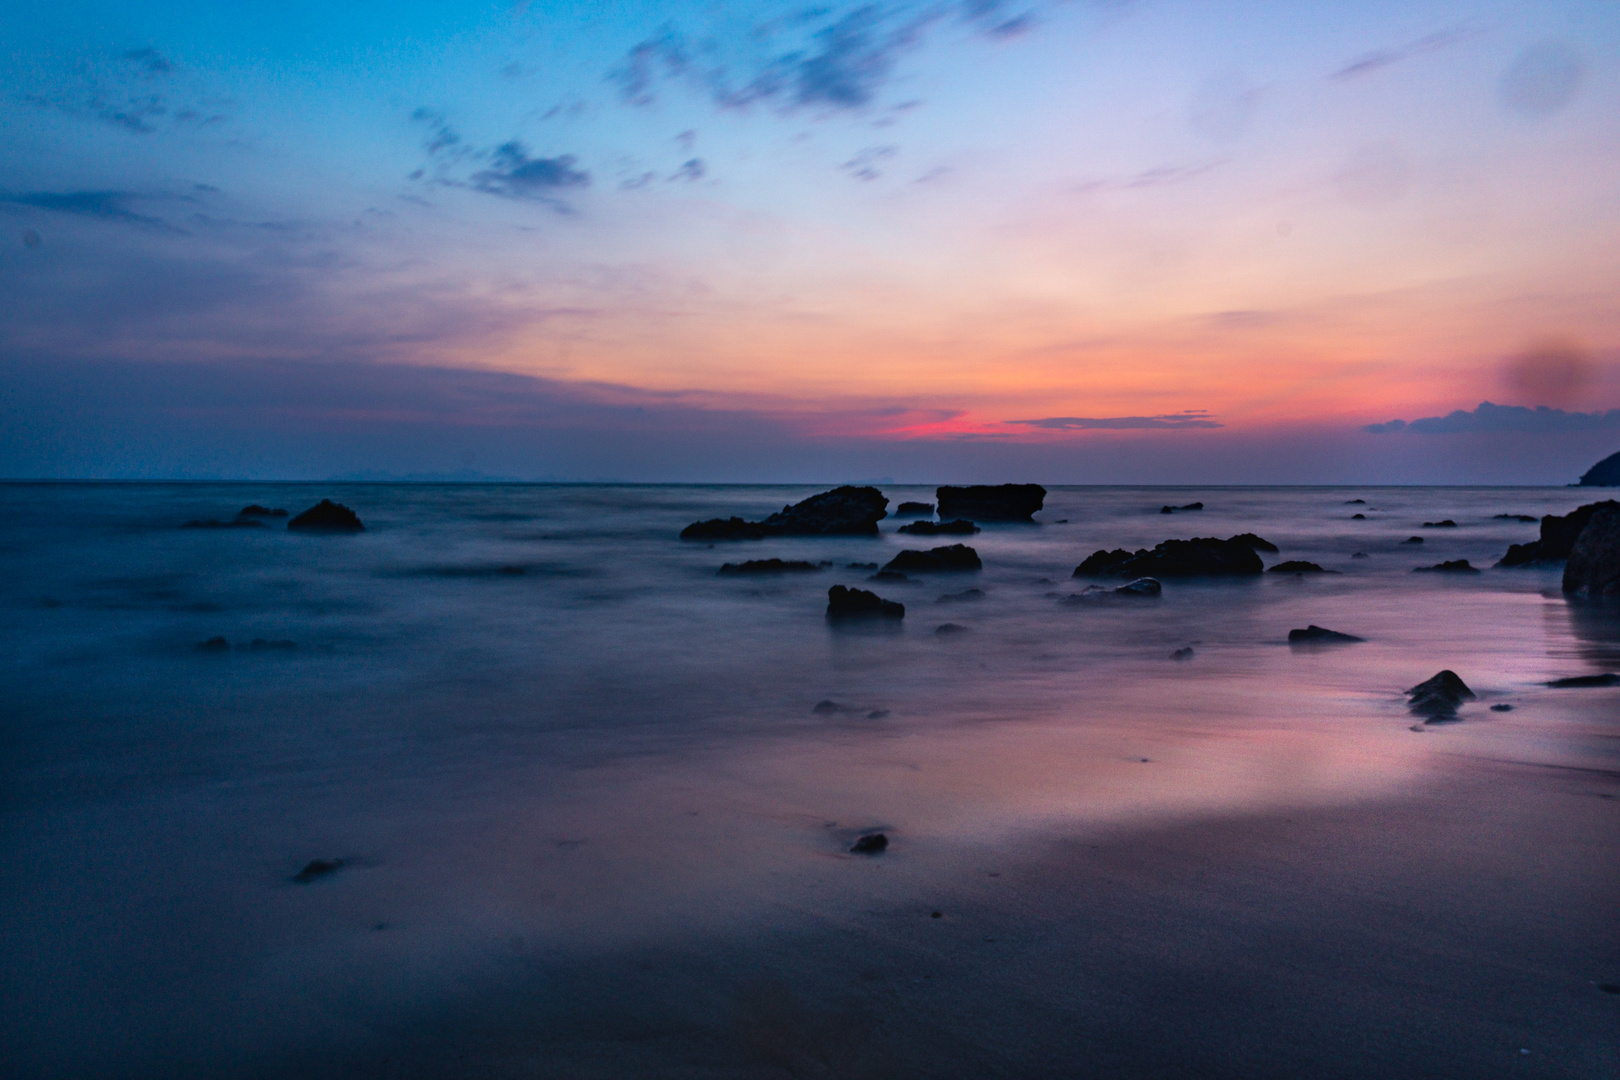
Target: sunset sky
point(1067, 242)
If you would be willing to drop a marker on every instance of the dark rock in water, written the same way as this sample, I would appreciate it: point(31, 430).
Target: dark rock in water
point(723, 529)
point(1515, 517)
point(316, 869)
point(1142, 587)
point(873, 844)
point(914, 509)
point(1503, 707)
point(1167, 510)
point(890, 575)
point(1358, 517)
point(1446, 524)
point(1359, 555)
point(936, 560)
point(1575, 682)
point(1320, 635)
point(1183, 653)
point(1558, 536)
point(214, 644)
point(1450, 566)
point(1299, 566)
point(1440, 696)
point(1413, 540)
point(1255, 542)
point(1173, 509)
point(959, 527)
point(1198, 557)
point(768, 566)
point(1355, 502)
point(862, 566)
point(259, 644)
point(327, 516)
point(214, 523)
point(950, 628)
point(255, 510)
point(845, 603)
point(1605, 473)
point(1594, 563)
point(965, 594)
point(877, 714)
point(843, 511)
point(826, 707)
point(991, 502)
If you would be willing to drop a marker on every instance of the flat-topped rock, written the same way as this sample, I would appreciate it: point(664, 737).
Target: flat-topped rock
point(1174, 509)
point(959, 527)
point(991, 502)
point(327, 516)
point(1450, 566)
point(843, 511)
point(935, 560)
point(845, 603)
point(254, 510)
point(769, 566)
point(1199, 557)
point(1321, 635)
point(1299, 566)
point(1593, 569)
point(914, 509)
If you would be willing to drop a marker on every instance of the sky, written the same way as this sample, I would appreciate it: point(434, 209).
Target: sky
point(1096, 241)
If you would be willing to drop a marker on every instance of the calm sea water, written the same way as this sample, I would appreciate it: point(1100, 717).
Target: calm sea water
point(616, 744)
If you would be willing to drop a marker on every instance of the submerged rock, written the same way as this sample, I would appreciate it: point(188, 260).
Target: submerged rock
point(1502, 707)
point(1198, 557)
point(1516, 517)
point(1359, 555)
point(890, 575)
point(1358, 517)
point(1439, 696)
point(214, 645)
point(843, 511)
point(914, 509)
point(1450, 566)
point(1446, 524)
point(1320, 635)
point(936, 560)
point(1575, 682)
point(1142, 587)
point(826, 707)
point(1558, 536)
point(1413, 540)
point(965, 594)
point(1593, 569)
point(1605, 473)
point(871, 844)
point(327, 516)
point(316, 869)
point(1182, 654)
point(959, 527)
point(1173, 509)
point(1355, 502)
point(254, 510)
point(843, 603)
point(950, 628)
point(1299, 566)
point(768, 566)
point(991, 502)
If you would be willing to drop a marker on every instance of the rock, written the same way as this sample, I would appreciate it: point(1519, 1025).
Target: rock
point(1299, 566)
point(316, 869)
point(1450, 566)
point(826, 707)
point(1198, 557)
point(890, 575)
point(871, 844)
point(914, 509)
point(1413, 540)
point(1359, 555)
point(1446, 524)
point(987, 502)
point(1142, 587)
point(1593, 569)
point(1355, 502)
point(327, 516)
point(845, 603)
point(965, 594)
point(1255, 542)
point(1605, 473)
point(843, 511)
point(255, 510)
point(214, 645)
point(1577, 681)
point(768, 566)
point(1358, 517)
point(1515, 517)
point(959, 527)
point(862, 566)
point(877, 714)
point(950, 628)
point(1439, 696)
point(1173, 509)
point(1503, 707)
point(954, 558)
point(1320, 635)
point(1182, 654)
point(1558, 536)
point(214, 523)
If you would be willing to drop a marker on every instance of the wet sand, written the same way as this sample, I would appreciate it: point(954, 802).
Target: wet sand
point(1467, 930)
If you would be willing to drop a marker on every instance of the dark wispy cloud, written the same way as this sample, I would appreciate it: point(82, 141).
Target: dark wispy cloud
point(831, 58)
point(1491, 418)
point(1383, 58)
point(868, 163)
point(508, 170)
point(691, 169)
point(137, 91)
point(1190, 418)
point(107, 205)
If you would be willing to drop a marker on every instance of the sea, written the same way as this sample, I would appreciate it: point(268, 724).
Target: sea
point(520, 722)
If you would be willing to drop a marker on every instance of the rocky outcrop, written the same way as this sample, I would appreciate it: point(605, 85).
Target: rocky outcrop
point(1558, 536)
point(1141, 589)
point(1299, 566)
point(935, 560)
point(1439, 697)
point(845, 603)
point(914, 509)
point(1593, 569)
point(1198, 557)
point(1446, 524)
point(1450, 566)
point(1320, 635)
point(1174, 509)
point(768, 566)
point(959, 527)
point(327, 516)
point(991, 502)
point(843, 511)
point(1605, 473)
point(256, 511)
point(1515, 517)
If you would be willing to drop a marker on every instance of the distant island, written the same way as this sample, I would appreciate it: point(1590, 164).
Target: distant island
point(1605, 473)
